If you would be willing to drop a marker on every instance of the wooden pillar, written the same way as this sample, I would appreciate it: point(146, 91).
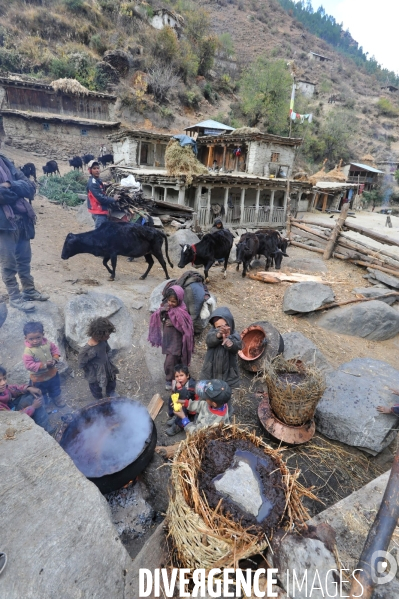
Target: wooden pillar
point(226, 202)
point(152, 191)
point(325, 198)
point(335, 232)
point(208, 206)
point(313, 201)
point(257, 204)
point(273, 191)
point(154, 151)
point(242, 203)
point(224, 157)
point(210, 156)
point(139, 154)
point(165, 194)
point(197, 199)
point(182, 196)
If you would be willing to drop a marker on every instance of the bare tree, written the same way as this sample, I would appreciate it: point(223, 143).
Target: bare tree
point(161, 79)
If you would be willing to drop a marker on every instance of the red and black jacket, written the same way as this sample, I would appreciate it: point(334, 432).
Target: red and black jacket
point(97, 201)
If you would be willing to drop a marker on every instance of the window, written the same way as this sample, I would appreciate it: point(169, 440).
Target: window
point(46, 126)
point(83, 132)
point(144, 153)
point(275, 156)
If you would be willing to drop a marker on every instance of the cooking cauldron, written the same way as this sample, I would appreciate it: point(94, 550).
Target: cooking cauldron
point(113, 415)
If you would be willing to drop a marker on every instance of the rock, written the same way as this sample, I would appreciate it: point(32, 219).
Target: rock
point(241, 486)
point(156, 480)
point(157, 222)
point(119, 59)
point(156, 296)
point(176, 224)
point(154, 359)
point(306, 555)
point(370, 320)
point(384, 278)
point(83, 308)
point(55, 520)
point(182, 236)
point(84, 217)
point(298, 346)
point(306, 297)
point(106, 74)
point(3, 313)
point(12, 337)
point(351, 519)
point(375, 292)
point(306, 264)
point(136, 305)
point(347, 411)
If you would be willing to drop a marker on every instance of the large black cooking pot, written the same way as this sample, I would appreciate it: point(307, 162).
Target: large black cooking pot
point(124, 472)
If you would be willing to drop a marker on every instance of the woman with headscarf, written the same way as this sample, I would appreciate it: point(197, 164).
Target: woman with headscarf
point(172, 328)
point(17, 228)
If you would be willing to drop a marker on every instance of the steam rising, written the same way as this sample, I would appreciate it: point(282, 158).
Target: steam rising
point(109, 442)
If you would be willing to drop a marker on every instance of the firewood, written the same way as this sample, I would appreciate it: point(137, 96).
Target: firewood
point(318, 250)
point(155, 405)
point(353, 301)
point(167, 451)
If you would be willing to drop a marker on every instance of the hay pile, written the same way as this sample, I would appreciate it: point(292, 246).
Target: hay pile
point(246, 130)
point(319, 176)
point(69, 86)
point(294, 389)
point(208, 538)
point(182, 161)
point(336, 174)
point(368, 159)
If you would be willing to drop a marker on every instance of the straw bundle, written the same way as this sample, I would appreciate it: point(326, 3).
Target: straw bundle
point(208, 538)
point(182, 161)
point(246, 130)
point(368, 159)
point(69, 86)
point(335, 174)
point(313, 179)
point(293, 402)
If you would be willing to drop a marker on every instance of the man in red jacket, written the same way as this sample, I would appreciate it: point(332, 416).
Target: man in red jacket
point(98, 204)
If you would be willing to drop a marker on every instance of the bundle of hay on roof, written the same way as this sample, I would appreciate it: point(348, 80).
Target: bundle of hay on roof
point(203, 523)
point(294, 389)
point(246, 130)
point(69, 86)
point(368, 159)
point(319, 176)
point(182, 161)
point(336, 174)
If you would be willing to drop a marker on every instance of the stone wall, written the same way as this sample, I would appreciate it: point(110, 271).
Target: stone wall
point(260, 154)
point(60, 141)
point(125, 150)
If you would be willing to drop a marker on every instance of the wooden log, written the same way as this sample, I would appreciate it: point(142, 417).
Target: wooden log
point(278, 277)
point(317, 223)
point(372, 234)
point(383, 256)
point(310, 230)
point(318, 250)
point(155, 405)
point(335, 232)
point(353, 301)
point(314, 237)
point(390, 271)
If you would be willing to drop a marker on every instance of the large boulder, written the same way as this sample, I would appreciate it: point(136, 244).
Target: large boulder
point(83, 308)
point(182, 236)
point(306, 264)
point(384, 277)
point(300, 347)
point(55, 524)
point(3, 313)
point(156, 296)
point(347, 412)
point(370, 320)
point(154, 359)
point(369, 292)
point(84, 217)
point(306, 297)
point(119, 59)
point(12, 337)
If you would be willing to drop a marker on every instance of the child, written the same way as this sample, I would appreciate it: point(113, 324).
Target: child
point(94, 359)
point(223, 344)
point(213, 408)
point(172, 328)
point(183, 386)
point(23, 398)
point(40, 359)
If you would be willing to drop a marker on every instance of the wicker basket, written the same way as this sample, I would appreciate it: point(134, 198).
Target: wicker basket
point(293, 403)
point(202, 536)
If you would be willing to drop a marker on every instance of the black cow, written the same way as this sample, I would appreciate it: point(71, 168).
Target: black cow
point(272, 245)
point(212, 246)
point(50, 168)
point(76, 162)
point(104, 160)
point(29, 170)
point(247, 249)
point(87, 158)
point(111, 240)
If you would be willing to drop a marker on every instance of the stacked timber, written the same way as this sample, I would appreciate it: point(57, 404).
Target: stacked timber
point(133, 202)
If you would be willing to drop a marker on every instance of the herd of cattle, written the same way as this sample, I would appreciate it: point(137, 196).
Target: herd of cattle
point(112, 239)
point(77, 162)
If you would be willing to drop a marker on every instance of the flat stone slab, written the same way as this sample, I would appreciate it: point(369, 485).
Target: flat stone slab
point(241, 486)
point(384, 278)
point(347, 411)
point(300, 347)
point(375, 292)
point(306, 297)
point(156, 296)
point(371, 320)
point(55, 524)
point(306, 264)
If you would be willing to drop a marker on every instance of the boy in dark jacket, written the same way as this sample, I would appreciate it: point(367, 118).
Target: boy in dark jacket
point(223, 344)
point(98, 204)
point(17, 228)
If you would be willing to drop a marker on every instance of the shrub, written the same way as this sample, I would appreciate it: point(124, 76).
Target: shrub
point(75, 5)
point(161, 79)
point(190, 98)
point(11, 60)
point(97, 43)
point(385, 108)
point(64, 189)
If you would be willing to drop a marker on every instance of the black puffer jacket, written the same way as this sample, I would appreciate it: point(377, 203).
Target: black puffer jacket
point(221, 361)
point(20, 187)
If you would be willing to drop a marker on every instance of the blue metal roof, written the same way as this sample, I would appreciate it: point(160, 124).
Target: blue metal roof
point(366, 167)
point(210, 124)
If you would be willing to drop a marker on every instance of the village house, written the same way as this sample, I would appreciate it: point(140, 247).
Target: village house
point(59, 124)
point(363, 175)
point(390, 88)
point(318, 57)
point(164, 17)
point(248, 178)
point(307, 88)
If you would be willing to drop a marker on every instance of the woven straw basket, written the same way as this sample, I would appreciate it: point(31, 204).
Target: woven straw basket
point(296, 403)
point(204, 537)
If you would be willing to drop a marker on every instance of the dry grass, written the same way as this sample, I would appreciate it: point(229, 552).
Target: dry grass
point(69, 86)
point(206, 538)
point(182, 161)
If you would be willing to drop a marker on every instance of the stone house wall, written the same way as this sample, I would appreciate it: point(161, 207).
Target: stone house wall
point(260, 155)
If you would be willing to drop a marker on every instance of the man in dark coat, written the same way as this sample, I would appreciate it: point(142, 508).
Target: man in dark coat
point(217, 226)
point(17, 228)
point(98, 203)
point(223, 343)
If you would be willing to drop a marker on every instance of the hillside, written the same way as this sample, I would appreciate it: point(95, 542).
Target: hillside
point(171, 82)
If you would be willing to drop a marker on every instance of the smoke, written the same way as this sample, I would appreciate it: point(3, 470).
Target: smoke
point(110, 442)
